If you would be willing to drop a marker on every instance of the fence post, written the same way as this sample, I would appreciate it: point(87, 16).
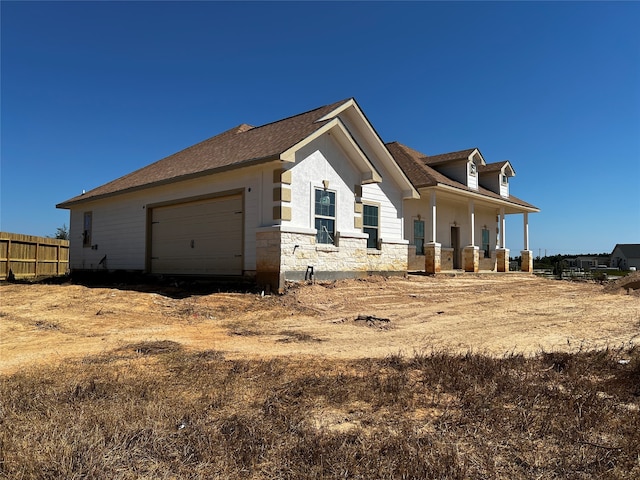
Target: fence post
point(35, 267)
point(8, 257)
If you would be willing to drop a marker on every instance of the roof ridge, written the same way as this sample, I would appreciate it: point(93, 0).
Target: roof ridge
point(454, 153)
point(336, 104)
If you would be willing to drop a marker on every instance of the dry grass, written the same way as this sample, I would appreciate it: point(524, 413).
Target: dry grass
point(157, 410)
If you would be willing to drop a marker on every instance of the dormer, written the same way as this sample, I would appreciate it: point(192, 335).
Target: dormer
point(463, 166)
point(495, 177)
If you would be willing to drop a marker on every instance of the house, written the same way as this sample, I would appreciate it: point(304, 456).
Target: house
point(588, 262)
point(626, 256)
point(313, 195)
point(458, 222)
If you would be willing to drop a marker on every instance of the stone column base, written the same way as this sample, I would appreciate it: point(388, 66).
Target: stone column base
point(502, 259)
point(527, 261)
point(471, 258)
point(432, 253)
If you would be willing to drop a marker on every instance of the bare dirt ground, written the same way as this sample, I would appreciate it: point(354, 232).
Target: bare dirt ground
point(376, 317)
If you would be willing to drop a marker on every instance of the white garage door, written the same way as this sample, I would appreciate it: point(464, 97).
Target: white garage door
point(198, 238)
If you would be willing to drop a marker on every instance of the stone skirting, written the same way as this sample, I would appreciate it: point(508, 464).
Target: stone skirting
point(415, 261)
point(446, 260)
point(287, 255)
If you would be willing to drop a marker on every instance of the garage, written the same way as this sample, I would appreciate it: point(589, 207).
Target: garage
point(201, 237)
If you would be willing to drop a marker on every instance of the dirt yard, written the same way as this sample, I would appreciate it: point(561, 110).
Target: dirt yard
point(376, 317)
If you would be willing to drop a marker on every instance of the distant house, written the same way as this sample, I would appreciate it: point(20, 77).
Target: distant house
point(587, 262)
point(626, 255)
point(316, 194)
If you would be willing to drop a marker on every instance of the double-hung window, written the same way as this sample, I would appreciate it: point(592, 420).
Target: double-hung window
point(370, 224)
point(86, 229)
point(325, 215)
point(418, 236)
point(485, 243)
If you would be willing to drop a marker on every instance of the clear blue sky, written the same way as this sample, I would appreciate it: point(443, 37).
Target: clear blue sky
point(93, 90)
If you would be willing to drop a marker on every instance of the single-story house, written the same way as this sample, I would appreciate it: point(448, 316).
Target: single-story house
point(316, 194)
point(625, 256)
point(588, 262)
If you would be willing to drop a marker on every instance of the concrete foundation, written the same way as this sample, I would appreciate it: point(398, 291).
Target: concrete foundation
point(502, 259)
point(432, 252)
point(471, 258)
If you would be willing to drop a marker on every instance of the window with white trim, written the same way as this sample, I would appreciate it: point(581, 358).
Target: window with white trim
point(505, 179)
point(370, 224)
point(472, 169)
point(325, 216)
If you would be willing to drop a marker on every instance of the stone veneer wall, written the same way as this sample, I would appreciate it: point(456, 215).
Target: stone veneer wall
point(446, 259)
point(416, 262)
point(488, 264)
point(285, 256)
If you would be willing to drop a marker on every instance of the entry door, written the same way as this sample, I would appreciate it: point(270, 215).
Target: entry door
point(455, 244)
point(198, 238)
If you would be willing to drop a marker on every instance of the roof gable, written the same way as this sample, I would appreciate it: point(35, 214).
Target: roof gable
point(629, 250)
point(421, 173)
point(504, 167)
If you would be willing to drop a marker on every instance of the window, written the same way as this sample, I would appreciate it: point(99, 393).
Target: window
point(370, 224)
point(325, 216)
point(485, 243)
point(505, 179)
point(473, 169)
point(86, 230)
point(418, 236)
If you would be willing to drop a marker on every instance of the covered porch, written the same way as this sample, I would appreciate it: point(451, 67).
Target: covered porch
point(463, 231)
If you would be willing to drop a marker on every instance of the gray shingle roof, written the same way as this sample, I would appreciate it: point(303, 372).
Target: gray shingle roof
point(629, 250)
point(416, 167)
point(239, 146)
point(448, 157)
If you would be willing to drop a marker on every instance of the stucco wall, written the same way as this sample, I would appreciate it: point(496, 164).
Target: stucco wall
point(119, 227)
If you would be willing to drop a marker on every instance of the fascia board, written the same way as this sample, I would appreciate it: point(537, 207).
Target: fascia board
point(398, 175)
point(508, 164)
point(483, 198)
point(334, 113)
point(250, 163)
point(477, 152)
point(335, 126)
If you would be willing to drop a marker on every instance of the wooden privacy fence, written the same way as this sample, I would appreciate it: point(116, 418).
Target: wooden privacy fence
point(27, 256)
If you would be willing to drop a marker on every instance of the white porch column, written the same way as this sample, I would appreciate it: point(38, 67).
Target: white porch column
point(432, 250)
point(432, 206)
point(526, 255)
point(502, 253)
point(503, 225)
point(470, 253)
point(472, 222)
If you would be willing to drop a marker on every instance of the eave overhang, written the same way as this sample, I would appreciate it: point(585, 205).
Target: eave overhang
point(181, 178)
point(510, 206)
